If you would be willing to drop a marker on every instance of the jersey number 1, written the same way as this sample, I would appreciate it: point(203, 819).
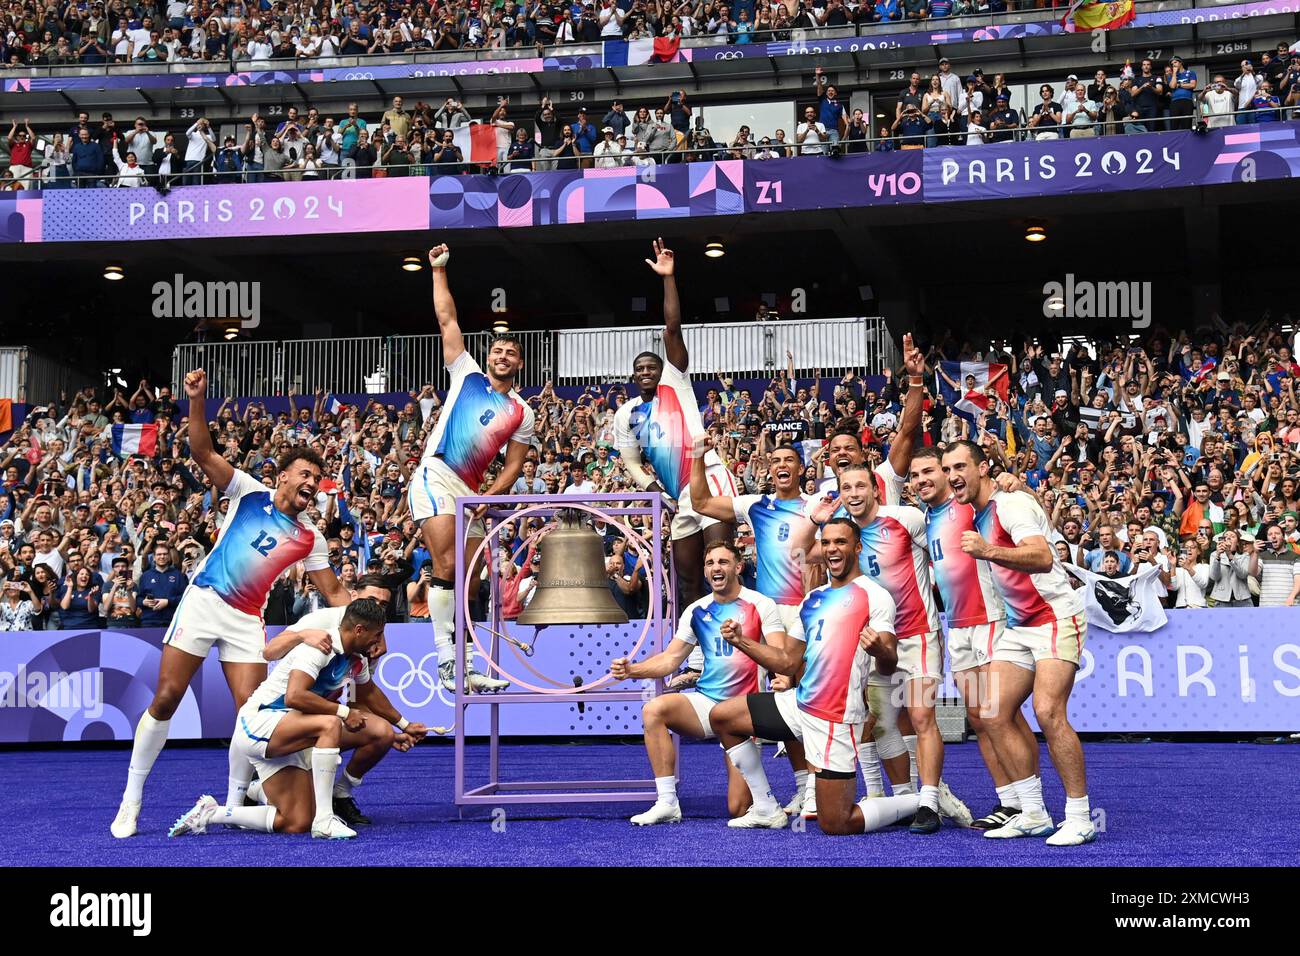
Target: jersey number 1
point(263, 543)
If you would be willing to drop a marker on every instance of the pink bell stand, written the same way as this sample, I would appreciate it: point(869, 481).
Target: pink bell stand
point(614, 509)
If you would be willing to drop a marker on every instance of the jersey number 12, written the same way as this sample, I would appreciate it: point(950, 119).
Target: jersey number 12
point(263, 543)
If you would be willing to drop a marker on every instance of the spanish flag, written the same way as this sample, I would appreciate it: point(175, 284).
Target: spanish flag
point(1087, 15)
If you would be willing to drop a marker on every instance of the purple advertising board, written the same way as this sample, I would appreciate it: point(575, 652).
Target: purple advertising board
point(1225, 670)
point(1147, 161)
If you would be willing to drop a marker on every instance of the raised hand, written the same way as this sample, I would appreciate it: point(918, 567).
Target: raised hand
point(196, 383)
point(439, 255)
point(664, 262)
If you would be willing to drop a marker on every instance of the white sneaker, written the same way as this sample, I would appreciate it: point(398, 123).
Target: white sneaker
point(1023, 824)
point(197, 820)
point(795, 806)
point(756, 821)
point(953, 808)
point(124, 823)
point(1073, 833)
point(810, 805)
point(482, 684)
point(659, 813)
point(332, 829)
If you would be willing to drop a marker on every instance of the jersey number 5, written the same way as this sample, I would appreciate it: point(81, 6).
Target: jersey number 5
point(873, 565)
point(263, 543)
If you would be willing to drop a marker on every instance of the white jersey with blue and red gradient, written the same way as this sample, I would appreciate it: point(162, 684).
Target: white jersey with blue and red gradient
point(970, 597)
point(1032, 600)
point(896, 555)
point(889, 486)
point(835, 665)
point(476, 423)
point(256, 544)
point(781, 529)
point(330, 673)
point(665, 429)
point(728, 672)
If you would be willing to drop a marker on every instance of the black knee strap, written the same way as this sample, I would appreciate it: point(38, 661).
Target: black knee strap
point(442, 583)
point(836, 774)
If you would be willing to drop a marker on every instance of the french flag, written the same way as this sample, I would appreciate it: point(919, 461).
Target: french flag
point(334, 406)
point(133, 439)
point(964, 386)
point(477, 143)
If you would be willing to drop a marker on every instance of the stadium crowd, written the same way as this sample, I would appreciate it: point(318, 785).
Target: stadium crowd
point(945, 109)
point(246, 34)
point(1182, 452)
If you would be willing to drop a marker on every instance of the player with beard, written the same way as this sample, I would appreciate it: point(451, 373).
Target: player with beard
point(974, 613)
point(659, 427)
point(895, 554)
point(844, 450)
point(261, 536)
point(725, 675)
point(482, 416)
point(783, 536)
point(842, 628)
point(1038, 653)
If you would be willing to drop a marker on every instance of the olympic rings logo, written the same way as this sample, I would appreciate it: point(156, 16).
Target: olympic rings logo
point(358, 76)
point(729, 55)
point(415, 672)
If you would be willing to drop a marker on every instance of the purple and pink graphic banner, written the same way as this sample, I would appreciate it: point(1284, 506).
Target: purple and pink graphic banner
point(1151, 161)
point(1227, 670)
point(618, 53)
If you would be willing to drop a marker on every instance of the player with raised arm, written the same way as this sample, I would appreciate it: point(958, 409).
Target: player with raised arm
point(659, 427)
point(726, 674)
point(895, 554)
point(783, 536)
point(482, 416)
point(1038, 653)
point(293, 728)
point(975, 618)
point(842, 628)
point(261, 537)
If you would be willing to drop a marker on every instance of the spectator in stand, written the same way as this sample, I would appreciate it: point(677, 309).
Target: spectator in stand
point(856, 137)
point(1003, 121)
point(830, 111)
point(21, 143)
point(201, 142)
point(1081, 115)
point(1247, 85)
point(810, 135)
point(520, 157)
point(1182, 103)
point(87, 161)
point(1045, 120)
point(585, 137)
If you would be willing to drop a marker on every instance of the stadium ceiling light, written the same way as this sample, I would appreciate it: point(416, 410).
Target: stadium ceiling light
point(230, 334)
point(714, 249)
point(1035, 233)
point(500, 326)
point(114, 272)
point(412, 264)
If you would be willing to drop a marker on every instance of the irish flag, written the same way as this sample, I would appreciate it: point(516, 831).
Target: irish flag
point(964, 386)
point(477, 142)
point(1085, 16)
point(133, 439)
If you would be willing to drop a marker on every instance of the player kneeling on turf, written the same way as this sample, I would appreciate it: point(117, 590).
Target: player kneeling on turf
point(293, 727)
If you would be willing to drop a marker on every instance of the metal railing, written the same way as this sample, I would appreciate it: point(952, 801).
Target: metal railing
point(1019, 11)
point(29, 377)
point(407, 363)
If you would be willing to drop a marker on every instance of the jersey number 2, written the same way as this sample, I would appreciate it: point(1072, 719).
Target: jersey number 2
point(263, 543)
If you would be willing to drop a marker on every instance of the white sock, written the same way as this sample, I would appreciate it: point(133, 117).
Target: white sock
point(346, 784)
point(869, 763)
point(667, 790)
point(1076, 809)
point(904, 789)
point(150, 736)
point(241, 774)
point(256, 792)
point(1030, 791)
point(1007, 796)
point(324, 763)
point(930, 797)
point(442, 609)
point(747, 759)
point(801, 781)
point(885, 811)
point(810, 787)
point(910, 743)
point(250, 818)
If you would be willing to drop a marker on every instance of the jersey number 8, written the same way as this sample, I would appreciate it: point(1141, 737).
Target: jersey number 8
point(486, 417)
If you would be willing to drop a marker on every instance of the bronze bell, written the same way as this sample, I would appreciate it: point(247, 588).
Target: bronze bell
point(572, 586)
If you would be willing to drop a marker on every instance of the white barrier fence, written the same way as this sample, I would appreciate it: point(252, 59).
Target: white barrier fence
point(404, 363)
point(26, 376)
